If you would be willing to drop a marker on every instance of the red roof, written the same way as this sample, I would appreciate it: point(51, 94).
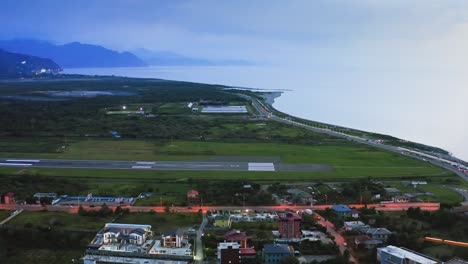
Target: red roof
point(192, 193)
point(237, 237)
point(247, 251)
point(290, 216)
point(10, 194)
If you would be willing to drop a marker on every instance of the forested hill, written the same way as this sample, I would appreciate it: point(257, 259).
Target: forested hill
point(73, 55)
point(15, 65)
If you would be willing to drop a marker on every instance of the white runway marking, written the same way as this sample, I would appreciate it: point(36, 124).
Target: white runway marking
point(146, 162)
point(141, 167)
point(261, 167)
point(23, 160)
point(15, 164)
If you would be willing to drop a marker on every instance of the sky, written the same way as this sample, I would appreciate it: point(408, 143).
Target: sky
point(408, 57)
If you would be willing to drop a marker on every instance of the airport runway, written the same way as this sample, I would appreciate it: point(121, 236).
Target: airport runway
point(163, 165)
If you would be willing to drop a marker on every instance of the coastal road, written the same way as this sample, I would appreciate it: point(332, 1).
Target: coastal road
point(163, 165)
point(265, 111)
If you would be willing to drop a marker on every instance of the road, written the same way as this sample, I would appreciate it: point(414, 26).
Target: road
point(264, 110)
point(339, 239)
point(199, 255)
point(74, 209)
point(163, 165)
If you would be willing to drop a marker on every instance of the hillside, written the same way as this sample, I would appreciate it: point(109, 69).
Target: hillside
point(14, 65)
point(73, 55)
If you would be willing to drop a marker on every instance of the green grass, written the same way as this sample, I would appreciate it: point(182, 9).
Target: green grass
point(4, 214)
point(442, 194)
point(60, 220)
point(43, 256)
point(161, 222)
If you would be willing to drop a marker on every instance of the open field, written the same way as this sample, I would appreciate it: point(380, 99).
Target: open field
point(4, 214)
point(60, 220)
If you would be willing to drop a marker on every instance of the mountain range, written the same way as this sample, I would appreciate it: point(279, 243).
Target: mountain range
point(73, 55)
point(168, 58)
point(15, 65)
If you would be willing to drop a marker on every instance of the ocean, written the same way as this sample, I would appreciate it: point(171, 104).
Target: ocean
point(425, 106)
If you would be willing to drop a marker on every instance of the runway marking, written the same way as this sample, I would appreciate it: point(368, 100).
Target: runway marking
point(22, 160)
point(146, 162)
point(261, 166)
point(15, 164)
point(141, 167)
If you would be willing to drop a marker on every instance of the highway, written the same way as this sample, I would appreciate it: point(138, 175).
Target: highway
point(163, 165)
point(264, 110)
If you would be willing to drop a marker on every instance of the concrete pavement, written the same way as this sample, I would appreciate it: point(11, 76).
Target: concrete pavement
point(164, 165)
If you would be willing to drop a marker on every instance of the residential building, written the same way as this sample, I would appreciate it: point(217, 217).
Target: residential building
point(354, 213)
point(193, 197)
point(9, 198)
point(125, 234)
point(354, 225)
point(300, 196)
point(396, 255)
point(364, 241)
point(228, 253)
point(275, 253)
point(222, 221)
point(456, 261)
point(237, 236)
point(342, 211)
point(290, 225)
point(175, 238)
point(248, 255)
point(381, 234)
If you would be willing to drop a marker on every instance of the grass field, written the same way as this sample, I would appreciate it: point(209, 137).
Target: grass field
point(60, 220)
point(347, 159)
point(441, 193)
point(4, 214)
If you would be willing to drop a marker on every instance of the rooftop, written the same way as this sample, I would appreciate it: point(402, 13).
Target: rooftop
point(341, 208)
point(276, 249)
point(289, 216)
point(405, 253)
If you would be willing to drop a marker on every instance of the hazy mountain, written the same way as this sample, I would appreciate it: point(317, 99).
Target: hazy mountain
point(73, 55)
point(14, 65)
point(167, 58)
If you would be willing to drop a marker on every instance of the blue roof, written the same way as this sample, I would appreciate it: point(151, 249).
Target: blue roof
point(341, 208)
point(276, 249)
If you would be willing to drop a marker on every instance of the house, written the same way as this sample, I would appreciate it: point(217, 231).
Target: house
point(237, 236)
point(9, 198)
point(276, 253)
point(353, 225)
point(301, 196)
point(290, 225)
point(342, 211)
point(396, 255)
point(222, 221)
point(248, 255)
point(364, 241)
point(392, 191)
point(354, 213)
point(175, 238)
point(125, 233)
point(456, 261)
point(193, 197)
point(381, 234)
point(228, 253)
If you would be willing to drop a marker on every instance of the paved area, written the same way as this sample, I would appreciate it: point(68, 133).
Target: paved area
point(13, 215)
point(164, 165)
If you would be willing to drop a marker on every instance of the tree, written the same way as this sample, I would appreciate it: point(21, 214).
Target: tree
point(290, 260)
